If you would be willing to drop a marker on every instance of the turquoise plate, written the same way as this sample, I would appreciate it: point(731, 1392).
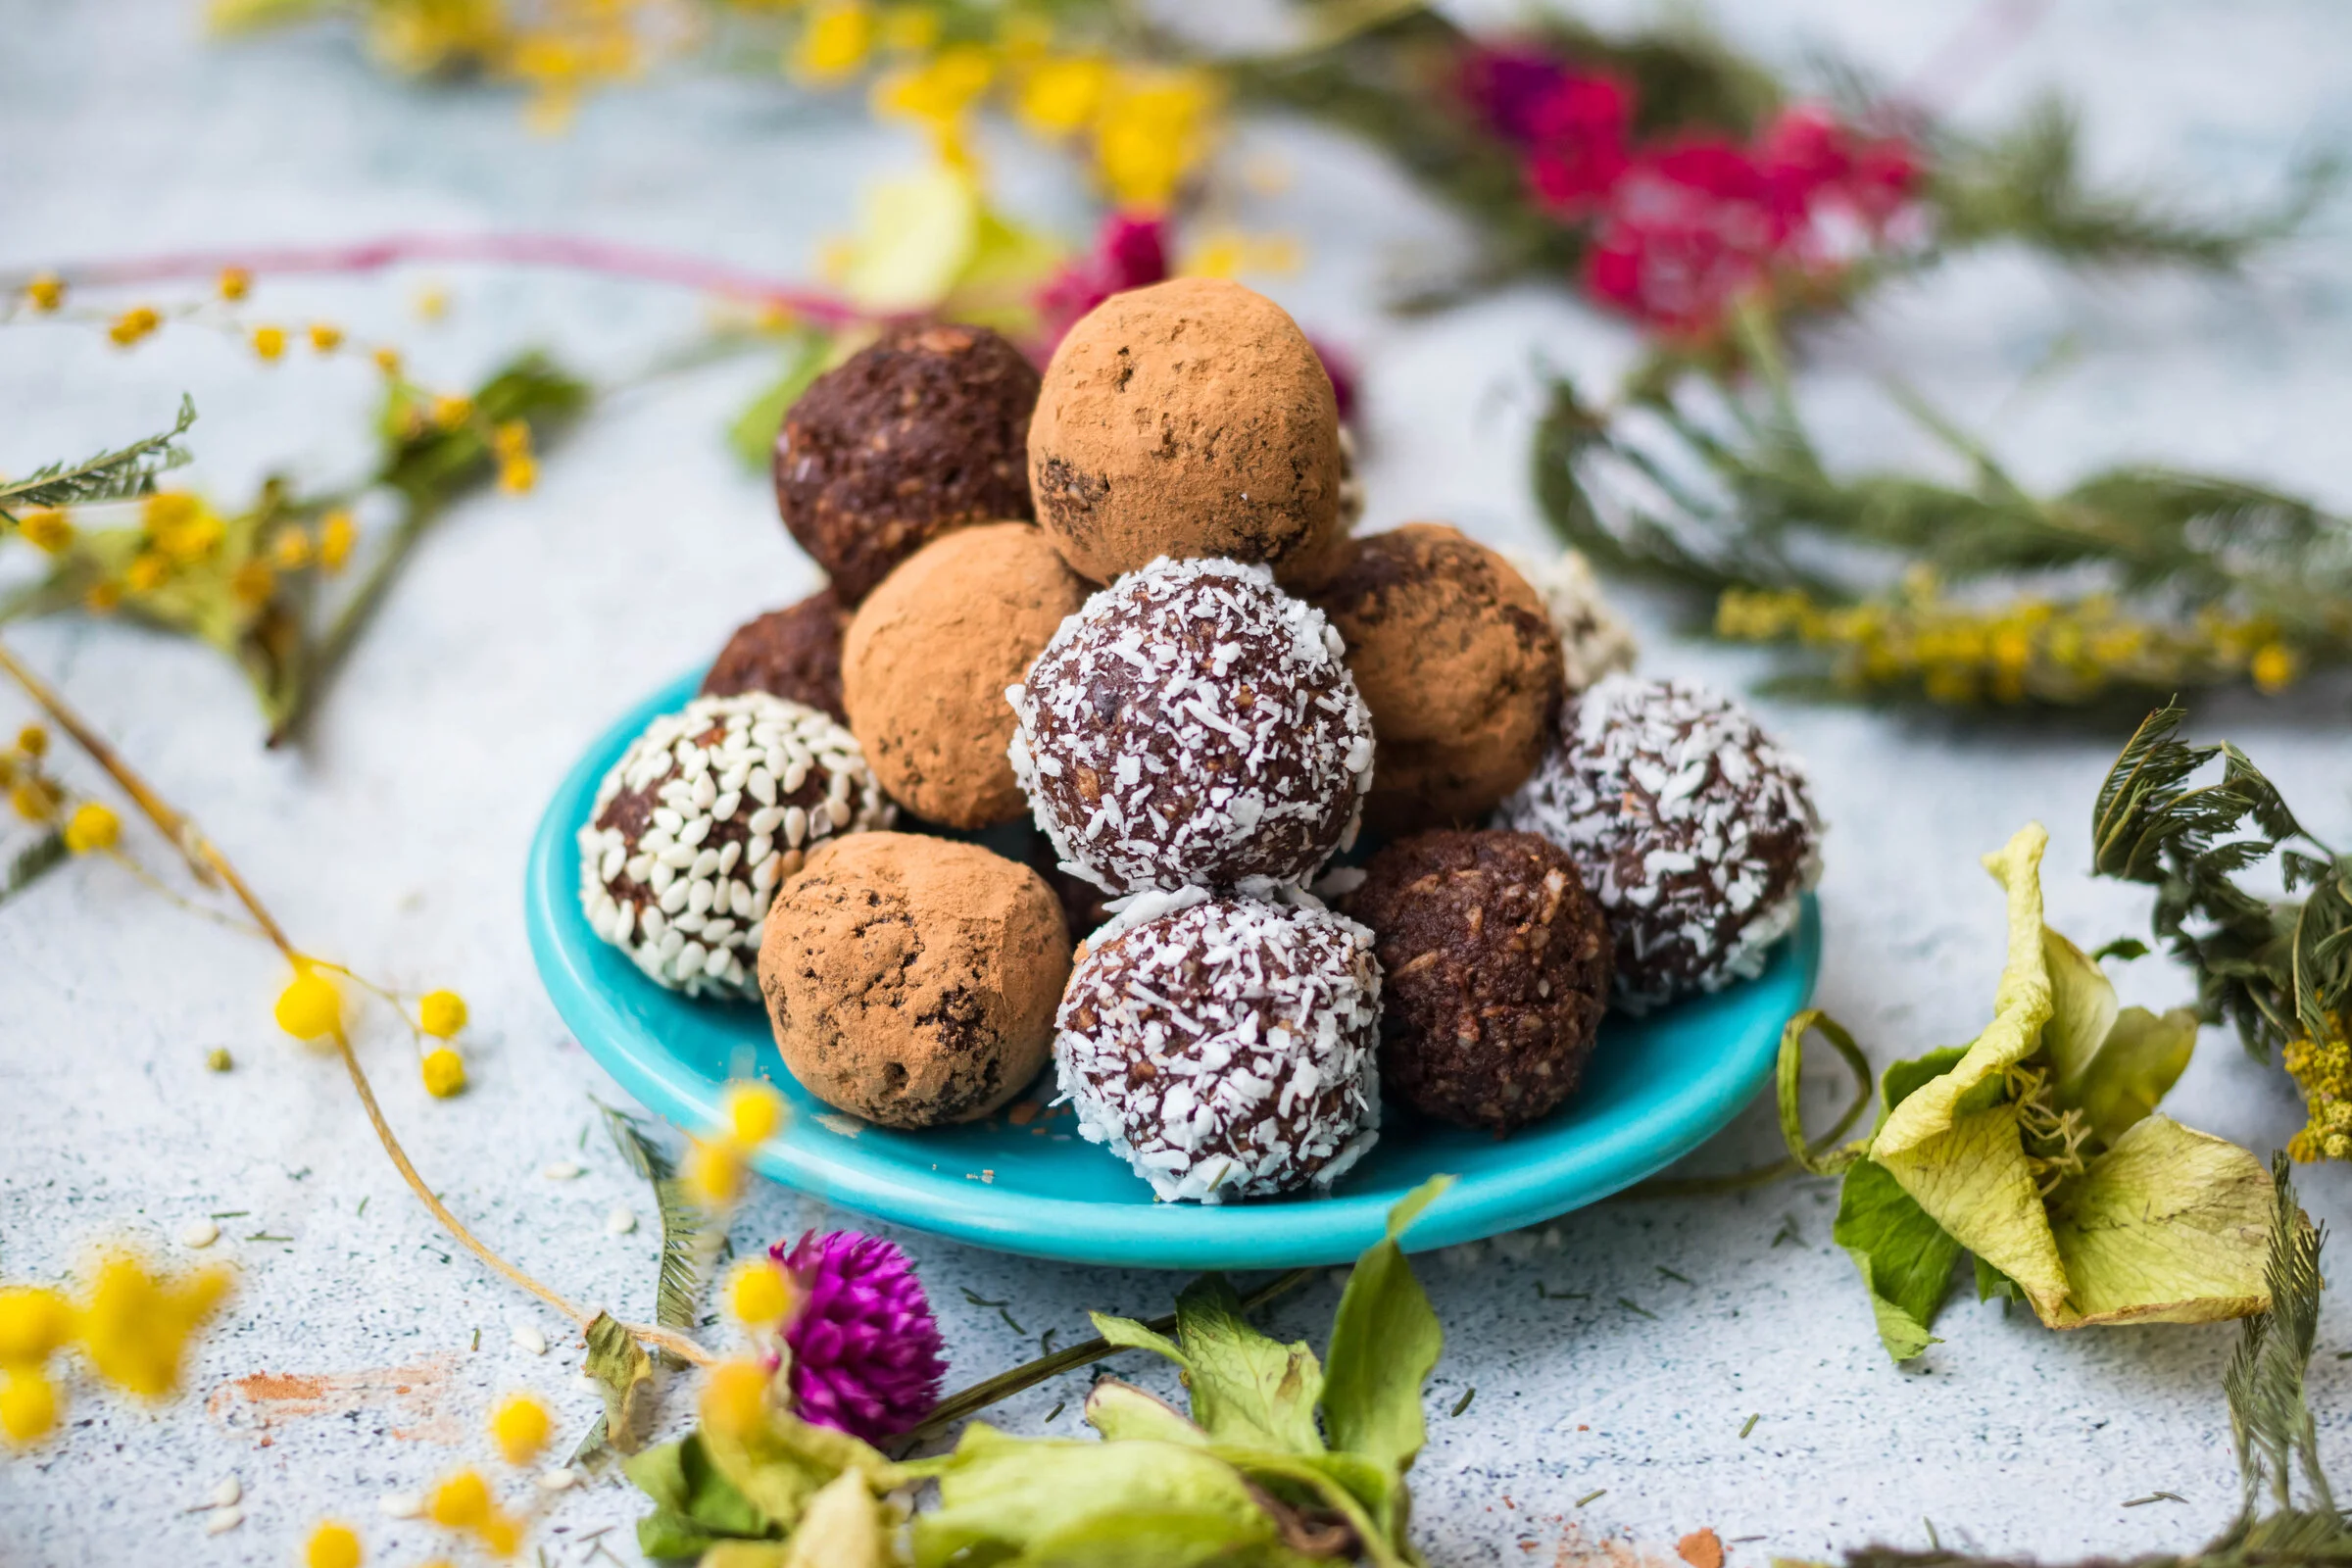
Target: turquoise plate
point(1657, 1088)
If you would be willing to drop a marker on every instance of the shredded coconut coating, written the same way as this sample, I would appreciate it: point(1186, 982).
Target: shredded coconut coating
point(1193, 725)
point(702, 818)
point(1593, 640)
point(1693, 829)
point(1225, 1048)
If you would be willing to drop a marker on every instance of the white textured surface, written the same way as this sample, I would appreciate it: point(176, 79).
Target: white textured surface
point(395, 840)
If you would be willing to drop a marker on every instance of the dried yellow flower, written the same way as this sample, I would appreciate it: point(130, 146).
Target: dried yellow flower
point(758, 1295)
point(34, 1324)
point(252, 584)
point(735, 1397)
point(310, 1007)
point(461, 1502)
point(93, 827)
point(444, 1073)
point(337, 533)
point(519, 1426)
point(134, 325)
point(270, 342)
point(751, 1112)
point(27, 1404)
point(46, 292)
point(441, 1014)
point(136, 1327)
point(333, 1545)
point(235, 283)
point(325, 337)
point(48, 530)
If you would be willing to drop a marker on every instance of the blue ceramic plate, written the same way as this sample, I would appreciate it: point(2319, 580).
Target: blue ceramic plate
point(1657, 1088)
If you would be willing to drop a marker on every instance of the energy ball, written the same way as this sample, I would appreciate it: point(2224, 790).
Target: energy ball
point(922, 431)
point(929, 656)
point(1497, 972)
point(1189, 419)
point(911, 980)
point(1594, 641)
point(1193, 724)
point(705, 813)
point(1690, 825)
point(1458, 663)
point(1225, 1048)
point(794, 653)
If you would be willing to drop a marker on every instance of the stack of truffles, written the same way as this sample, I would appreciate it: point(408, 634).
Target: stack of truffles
point(1123, 601)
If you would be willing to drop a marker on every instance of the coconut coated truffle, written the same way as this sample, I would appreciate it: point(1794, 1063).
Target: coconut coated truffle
point(1193, 724)
point(705, 813)
point(1189, 419)
point(794, 653)
point(1497, 972)
point(925, 431)
point(911, 980)
point(1225, 1048)
point(1693, 829)
point(1454, 655)
point(928, 659)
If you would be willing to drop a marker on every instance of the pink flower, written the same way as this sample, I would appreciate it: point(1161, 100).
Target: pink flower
point(866, 1349)
point(1509, 87)
point(1821, 166)
point(1581, 142)
point(1131, 250)
point(1684, 232)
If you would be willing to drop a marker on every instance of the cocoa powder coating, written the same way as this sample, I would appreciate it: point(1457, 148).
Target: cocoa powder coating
point(794, 653)
point(1189, 419)
point(929, 656)
point(925, 431)
point(1456, 656)
point(911, 980)
point(1497, 966)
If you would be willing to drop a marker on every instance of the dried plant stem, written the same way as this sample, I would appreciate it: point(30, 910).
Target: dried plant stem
point(566, 251)
point(966, 1403)
point(214, 868)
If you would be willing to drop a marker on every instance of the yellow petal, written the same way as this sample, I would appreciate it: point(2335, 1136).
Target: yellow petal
point(2168, 1226)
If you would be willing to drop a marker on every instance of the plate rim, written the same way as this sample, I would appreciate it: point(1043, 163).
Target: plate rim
point(1312, 1232)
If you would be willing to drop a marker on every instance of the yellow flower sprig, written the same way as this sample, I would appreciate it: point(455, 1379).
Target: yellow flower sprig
point(310, 1007)
point(132, 1328)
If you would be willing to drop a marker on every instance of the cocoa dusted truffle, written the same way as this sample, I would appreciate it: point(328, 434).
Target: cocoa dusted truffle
point(1693, 829)
point(703, 816)
point(1193, 724)
point(1458, 663)
point(1495, 969)
point(911, 980)
point(794, 653)
point(929, 656)
point(923, 431)
point(1225, 1048)
point(1189, 419)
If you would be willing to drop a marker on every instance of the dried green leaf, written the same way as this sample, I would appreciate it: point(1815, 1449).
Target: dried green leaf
point(625, 1374)
point(1904, 1257)
point(1245, 1389)
point(1385, 1339)
point(781, 1463)
point(686, 1244)
point(1123, 1412)
point(116, 475)
point(33, 861)
point(2168, 1226)
point(695, 1504)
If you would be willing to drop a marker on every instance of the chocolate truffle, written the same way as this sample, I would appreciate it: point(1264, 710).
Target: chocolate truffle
point(923, 431)
point(1225, 1048)
point(1193, 724)
point(929, 656)
point(1495, 969)
point(703, 816)
point(1459, 665)
point(1691, 828)
point(911, 980)
point(1189, 419)
point(1594, 641)
point(793, 653)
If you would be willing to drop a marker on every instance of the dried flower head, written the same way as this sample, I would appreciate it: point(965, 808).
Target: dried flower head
point(866, 1349)
point(333, 1545)
point(136, 1327)
point(519, 1426)
point(444, 1073)
point(441, 1014)
point(310, 1008)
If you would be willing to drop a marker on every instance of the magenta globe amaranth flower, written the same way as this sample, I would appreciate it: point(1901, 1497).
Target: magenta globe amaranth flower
point(864, 1345)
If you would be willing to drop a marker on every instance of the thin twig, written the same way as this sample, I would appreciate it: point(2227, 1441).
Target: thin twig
point(979, 1397)
point(184, 832)
point(566, 251)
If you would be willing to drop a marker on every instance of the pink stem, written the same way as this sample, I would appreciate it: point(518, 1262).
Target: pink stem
point(524, 250)
point(1986, 37)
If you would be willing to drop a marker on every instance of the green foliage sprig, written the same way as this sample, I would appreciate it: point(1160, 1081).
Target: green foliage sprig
point(2277, 968)
point(123, 474)
point(2205, 580)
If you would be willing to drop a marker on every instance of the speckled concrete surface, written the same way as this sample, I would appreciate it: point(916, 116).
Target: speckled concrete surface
point(395, 839)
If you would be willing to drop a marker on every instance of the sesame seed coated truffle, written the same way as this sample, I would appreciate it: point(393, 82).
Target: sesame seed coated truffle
point(1693, 829)
point(1188, 418)
point(794, 653)
point(1496, 972)
point(705, 813)
point(928, 659)
point(1193, 724)
point(1459, 665)
point(925, 431)
point(1225, 1048)
point(911, 980)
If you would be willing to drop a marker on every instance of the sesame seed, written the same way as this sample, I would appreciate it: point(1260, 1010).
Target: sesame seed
point(198, 1233)
point(528, 1339)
